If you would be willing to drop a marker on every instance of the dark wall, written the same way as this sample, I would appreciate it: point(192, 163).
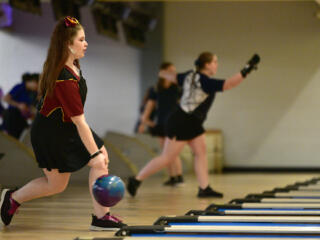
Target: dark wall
point(152, 54)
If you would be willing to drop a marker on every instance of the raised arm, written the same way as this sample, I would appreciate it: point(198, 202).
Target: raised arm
point(236, 79)
point(233, 81)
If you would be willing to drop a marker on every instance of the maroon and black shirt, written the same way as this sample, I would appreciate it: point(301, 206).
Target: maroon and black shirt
point(66, 96)
point(54, 137)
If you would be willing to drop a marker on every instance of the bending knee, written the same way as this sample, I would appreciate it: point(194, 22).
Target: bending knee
point(57, 188)
point(167, 159)
point(61, 188)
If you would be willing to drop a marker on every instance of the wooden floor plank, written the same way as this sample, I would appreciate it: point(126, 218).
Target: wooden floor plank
point(68, 215)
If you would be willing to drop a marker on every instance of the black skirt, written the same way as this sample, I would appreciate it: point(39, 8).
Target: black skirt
point(158, 130)
point(58, 146)
point(183, 126)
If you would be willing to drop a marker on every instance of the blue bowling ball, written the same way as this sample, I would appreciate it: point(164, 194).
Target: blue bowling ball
point(108, 190)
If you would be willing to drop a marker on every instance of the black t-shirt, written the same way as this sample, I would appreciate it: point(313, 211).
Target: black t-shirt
point(198, 92)
point(166, 100)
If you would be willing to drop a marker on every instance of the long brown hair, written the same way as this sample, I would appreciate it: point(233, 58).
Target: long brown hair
point(57, 55)
point(160, 83)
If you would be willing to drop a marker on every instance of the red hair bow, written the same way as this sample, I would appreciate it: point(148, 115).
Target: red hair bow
point(70, 21)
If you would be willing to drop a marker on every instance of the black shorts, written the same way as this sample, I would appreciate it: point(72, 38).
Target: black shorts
point(158, 130)
point(183, 126)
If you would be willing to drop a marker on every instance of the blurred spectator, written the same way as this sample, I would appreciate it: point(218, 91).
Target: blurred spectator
point(138, 126)
point(21, 99)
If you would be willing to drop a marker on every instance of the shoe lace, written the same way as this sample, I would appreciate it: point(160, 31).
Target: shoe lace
point(113, 218)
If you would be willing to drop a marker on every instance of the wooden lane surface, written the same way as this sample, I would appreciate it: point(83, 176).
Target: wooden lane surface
point(68, 215)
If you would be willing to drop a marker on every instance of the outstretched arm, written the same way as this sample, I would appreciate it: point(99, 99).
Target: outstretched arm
point(236, 79)
point(233, 81)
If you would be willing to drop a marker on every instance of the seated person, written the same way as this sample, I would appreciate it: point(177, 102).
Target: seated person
point(21, 100)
